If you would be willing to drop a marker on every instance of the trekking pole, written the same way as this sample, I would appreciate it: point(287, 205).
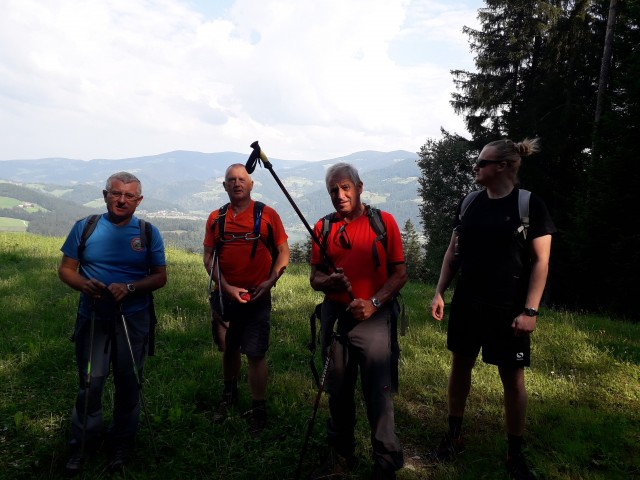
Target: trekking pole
point(215, 318)
point(259, 156)
point(139, 382)
point(316, 404)
point(87, 381)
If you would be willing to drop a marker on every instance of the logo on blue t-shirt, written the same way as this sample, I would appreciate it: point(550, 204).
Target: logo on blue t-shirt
point(136, 244)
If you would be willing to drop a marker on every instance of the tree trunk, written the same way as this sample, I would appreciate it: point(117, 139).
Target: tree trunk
point(604, 70)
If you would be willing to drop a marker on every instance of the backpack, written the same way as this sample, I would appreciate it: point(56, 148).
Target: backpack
point(524, 197)
point(145, 239)
point(258, 207)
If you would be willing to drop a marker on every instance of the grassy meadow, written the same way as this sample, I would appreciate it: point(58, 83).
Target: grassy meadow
point(584, 388)
point(12, 225)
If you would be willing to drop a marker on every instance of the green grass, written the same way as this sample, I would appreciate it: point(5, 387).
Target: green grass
point(584, 388)
point(9, 202)
point(12, 225)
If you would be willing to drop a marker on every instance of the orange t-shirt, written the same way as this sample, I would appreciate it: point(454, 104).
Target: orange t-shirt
point(357, 261)
point(236, 264)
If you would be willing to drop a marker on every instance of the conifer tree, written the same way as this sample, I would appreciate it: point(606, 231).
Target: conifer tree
point(446, 176)
point(412, 251)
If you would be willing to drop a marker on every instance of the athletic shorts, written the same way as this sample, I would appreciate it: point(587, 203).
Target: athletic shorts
point(474, 326)
point(249, 324)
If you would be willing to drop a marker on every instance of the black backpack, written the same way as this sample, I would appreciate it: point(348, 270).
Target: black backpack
point(145, 239)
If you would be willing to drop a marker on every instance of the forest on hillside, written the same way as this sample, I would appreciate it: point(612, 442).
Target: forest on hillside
point(566, 72)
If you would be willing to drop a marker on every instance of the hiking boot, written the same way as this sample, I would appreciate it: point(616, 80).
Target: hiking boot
point(380, 474)
point(257, 420)
point(449, 448)
point(74, 464)
point(335, 466)
point(119, 456)
point(228, 401)
point(518, 468)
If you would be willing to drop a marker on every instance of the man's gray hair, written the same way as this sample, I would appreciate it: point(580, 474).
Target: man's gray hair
point(339, 171)
point(232, 166)
point(124, 177)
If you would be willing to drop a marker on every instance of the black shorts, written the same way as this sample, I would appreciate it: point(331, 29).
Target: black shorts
point(249, 324)
point(474, 326)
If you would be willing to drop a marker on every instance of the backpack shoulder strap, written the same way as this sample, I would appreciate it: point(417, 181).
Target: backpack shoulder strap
point(219, 221)
point(258, 208)
point(143, 233)
point(146, 233)
point(524, 196)
point(327, 220)
point(466, 201)
point(377, 225)
point(375, 220)
point(89, 227)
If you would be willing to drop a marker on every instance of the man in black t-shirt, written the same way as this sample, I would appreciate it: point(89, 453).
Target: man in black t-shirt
point(503, 270)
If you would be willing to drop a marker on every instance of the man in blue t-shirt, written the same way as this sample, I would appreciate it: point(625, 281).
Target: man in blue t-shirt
point(115, 271)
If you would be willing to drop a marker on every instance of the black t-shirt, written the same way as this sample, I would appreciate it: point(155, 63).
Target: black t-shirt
point(495, 259)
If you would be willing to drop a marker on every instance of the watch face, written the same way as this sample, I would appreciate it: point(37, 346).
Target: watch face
point(131, 287)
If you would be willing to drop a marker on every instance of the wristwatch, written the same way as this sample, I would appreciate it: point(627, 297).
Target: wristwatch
point(531, 312)
point(376, 303)
point(131, 287)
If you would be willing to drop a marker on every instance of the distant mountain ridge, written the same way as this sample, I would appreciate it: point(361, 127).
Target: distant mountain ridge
point(190, 183)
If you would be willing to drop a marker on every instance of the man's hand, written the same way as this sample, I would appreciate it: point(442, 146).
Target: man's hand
point(264, 287)
point(437, 307)
point(93, 288)
point(523, 325)
point(239, 294)
point(337, 282)
point(361, 309)
point(119, 291)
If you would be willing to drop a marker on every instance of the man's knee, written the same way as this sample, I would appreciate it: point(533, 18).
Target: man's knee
point(256, 360)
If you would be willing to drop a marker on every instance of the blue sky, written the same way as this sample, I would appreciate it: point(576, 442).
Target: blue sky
point(310, 79)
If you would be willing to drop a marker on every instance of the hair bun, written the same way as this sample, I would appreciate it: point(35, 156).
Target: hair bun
point(527, 146)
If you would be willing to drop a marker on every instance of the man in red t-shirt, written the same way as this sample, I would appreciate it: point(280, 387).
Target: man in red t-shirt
point(360, 300)
point(245, 265)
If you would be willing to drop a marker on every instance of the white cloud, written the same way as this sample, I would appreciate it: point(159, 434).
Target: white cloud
point(309, 79)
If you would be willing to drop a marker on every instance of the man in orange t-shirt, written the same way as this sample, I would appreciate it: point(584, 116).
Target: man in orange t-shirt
point(245, 265)
point(360, 299)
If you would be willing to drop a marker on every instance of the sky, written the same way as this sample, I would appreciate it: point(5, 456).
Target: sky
point(309, 79)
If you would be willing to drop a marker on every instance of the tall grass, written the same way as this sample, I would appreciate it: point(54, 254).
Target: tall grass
point(584, 389)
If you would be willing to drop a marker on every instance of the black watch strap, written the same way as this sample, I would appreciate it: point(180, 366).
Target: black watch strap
point(531, 312)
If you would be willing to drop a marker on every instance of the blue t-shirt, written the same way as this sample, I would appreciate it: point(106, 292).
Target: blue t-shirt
point(115, 254)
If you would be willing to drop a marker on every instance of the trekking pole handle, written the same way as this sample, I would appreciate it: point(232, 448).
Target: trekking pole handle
point(259, 156)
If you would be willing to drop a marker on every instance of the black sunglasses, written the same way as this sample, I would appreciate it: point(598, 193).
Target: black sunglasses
point(343, 238)
point(484, 163)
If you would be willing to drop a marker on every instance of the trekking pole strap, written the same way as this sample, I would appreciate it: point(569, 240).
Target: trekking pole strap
point(312, 343)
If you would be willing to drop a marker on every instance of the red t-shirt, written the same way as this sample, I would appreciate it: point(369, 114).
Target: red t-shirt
point(236, 264)
point(357, 261)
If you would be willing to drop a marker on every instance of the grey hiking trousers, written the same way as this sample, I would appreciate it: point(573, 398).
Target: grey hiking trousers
point(365, 347)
